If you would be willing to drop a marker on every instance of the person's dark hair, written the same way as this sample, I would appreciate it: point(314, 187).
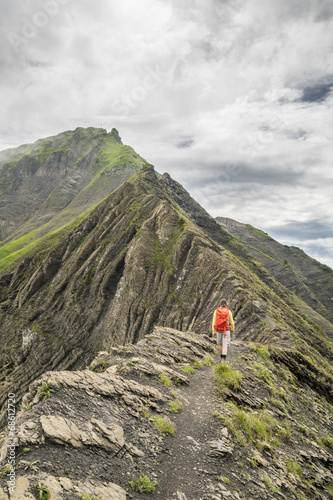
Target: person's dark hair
point(223, 302)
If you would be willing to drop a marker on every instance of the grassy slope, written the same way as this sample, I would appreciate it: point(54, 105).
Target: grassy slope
point(115, 164)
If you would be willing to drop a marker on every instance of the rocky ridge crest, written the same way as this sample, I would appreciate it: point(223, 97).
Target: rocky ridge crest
point(153, 409)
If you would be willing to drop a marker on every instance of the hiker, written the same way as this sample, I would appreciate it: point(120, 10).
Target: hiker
point(222, 321)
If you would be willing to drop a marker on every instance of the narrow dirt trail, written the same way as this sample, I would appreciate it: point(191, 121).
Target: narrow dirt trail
point(188, 471)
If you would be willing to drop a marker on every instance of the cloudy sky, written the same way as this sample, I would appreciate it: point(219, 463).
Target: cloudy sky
point(233, 98)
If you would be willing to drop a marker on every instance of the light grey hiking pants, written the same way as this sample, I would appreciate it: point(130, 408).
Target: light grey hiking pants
point(220, 339)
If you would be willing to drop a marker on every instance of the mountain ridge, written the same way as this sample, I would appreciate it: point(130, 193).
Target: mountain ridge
point(138, 259)
point(106, 315)
point(303, 275)
point(58, 178)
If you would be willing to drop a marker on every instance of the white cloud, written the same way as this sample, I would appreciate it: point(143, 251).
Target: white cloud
point(230, 76)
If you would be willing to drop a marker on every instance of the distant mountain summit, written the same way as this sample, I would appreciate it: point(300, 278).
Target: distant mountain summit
point(45, 185)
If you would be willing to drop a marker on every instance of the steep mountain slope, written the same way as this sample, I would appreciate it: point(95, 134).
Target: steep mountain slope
point(47, 184)
point(87, 271)
point(135, 261)
point(304, 276)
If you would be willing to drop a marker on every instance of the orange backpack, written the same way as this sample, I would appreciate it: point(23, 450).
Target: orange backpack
point(221, 319)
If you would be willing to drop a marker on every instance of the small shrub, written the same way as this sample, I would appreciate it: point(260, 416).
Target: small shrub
point(99, 367)
point(143, 484)
point(164, 425)
point(174, 406)
point(43, 491)
point(164, 379)
point(293, 467)
point(226, 480)
point(188, 369)
point(45, 391)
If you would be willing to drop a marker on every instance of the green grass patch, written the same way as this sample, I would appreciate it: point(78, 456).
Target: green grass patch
point(45, 391)
point(87, 496)
point(165, 379)
point(143, 484)
point(163, 424)
point(208, 361)
point(188, 369)
point(261, 350)
point(14, 249)
point(278, 404)
point(293, 467)
point(197, 365)
point(164, 253)
point(99, 367)
point(225, 376)
point(251, 428)
point(330, 489)
point(174, 406)
point(269, 484)
point(263, 373)
point(327, 441)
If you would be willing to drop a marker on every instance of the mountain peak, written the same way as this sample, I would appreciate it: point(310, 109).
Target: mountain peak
point(115, 134)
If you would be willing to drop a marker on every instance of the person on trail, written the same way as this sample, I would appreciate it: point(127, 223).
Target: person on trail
point(222, 321)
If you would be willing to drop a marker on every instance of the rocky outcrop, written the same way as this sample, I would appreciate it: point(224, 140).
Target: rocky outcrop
point(160, 410)
point(135, 261)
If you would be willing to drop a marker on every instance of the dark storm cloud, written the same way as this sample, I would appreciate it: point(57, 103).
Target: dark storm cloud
point(314, 229)
point(317, 93)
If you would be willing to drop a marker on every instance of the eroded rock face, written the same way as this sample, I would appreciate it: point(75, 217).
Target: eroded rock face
point(137, 260)
point(134, 262)
point(62, 487)
point(154, 409)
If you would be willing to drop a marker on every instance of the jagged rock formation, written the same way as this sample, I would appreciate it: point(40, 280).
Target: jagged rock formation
point(151, 409)
point(147, 254)
point(135, 261)
point(304, 276)
point(51, 182)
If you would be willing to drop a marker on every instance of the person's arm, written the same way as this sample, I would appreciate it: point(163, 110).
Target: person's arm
point(231, 319)
point(214, 318)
